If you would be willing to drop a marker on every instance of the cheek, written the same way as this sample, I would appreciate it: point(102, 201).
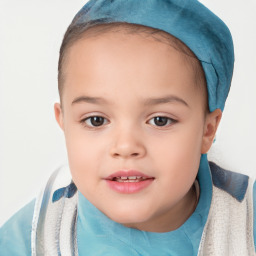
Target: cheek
point(84, 152)
point(180, 145)
point(84, 166)
point(179, 167)
point(179, 154)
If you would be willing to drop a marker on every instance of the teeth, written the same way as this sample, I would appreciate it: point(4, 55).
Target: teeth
point(129, 178)
point(132, 177)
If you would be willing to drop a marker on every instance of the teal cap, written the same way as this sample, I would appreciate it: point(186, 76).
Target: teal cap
point(189, 21)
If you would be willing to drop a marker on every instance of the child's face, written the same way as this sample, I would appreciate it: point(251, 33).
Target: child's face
point(149, 121)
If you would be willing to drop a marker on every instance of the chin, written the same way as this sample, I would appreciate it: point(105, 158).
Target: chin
point(129, 217)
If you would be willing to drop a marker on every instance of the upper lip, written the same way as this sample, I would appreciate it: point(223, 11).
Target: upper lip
point(128, 173)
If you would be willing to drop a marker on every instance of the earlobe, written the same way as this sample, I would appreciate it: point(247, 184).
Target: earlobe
point(210, 128)
point(59, 115)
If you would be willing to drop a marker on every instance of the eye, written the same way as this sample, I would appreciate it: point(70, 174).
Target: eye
point(94, 121)
point(161, 121)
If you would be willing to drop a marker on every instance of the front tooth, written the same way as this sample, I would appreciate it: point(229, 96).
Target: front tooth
point(123, 178)
point(132, 177)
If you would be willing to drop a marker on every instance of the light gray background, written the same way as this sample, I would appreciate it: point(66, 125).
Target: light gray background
point(31, 143)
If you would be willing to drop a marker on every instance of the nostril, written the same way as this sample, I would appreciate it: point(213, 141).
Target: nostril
point(127, 150)
point(126, 155)
point(132, 154)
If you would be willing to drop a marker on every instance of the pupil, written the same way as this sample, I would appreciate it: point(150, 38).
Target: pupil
point(97, 120)
point(160, 121)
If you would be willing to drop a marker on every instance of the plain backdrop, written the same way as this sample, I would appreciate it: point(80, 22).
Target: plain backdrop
point(32, 145)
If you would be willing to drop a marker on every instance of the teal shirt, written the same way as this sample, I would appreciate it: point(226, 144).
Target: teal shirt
point(15, 234)
point(98, 235)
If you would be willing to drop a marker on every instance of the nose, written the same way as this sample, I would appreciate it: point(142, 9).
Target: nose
point(128, 144)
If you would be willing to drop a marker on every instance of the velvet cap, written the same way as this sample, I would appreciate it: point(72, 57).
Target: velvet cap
point(189, 21)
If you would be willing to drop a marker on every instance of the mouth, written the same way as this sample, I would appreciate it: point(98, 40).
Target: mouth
point(128, 182)
point(129, 179)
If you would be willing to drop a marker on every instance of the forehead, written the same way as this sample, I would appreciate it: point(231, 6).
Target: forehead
point(121, 62)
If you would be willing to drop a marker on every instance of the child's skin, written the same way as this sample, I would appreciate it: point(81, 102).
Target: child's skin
point(129, 80)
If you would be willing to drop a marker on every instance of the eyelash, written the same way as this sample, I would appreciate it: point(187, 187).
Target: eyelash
point(90, 118)
point(167, 121)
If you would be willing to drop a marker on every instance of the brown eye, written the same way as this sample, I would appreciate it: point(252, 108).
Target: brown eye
point(95, 121)
point(161, 121)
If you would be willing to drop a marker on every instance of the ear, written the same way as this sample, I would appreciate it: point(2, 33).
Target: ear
point(59, 115)
point(212, 121)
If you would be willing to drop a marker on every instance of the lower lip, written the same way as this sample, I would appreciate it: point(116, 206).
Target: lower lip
point(129, 187)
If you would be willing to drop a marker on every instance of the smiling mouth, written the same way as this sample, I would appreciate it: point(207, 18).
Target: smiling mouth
point(128, 176)
point(129, 179)
point(128, 182)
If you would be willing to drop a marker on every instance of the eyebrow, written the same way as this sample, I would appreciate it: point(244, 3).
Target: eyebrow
point(87, 99)
point(147, 102)
point(163, 100)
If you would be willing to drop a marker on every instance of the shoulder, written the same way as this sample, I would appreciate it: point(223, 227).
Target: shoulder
point(236, 185)
point(15, 234)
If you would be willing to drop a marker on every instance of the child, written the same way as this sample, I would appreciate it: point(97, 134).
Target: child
point(142, 88)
